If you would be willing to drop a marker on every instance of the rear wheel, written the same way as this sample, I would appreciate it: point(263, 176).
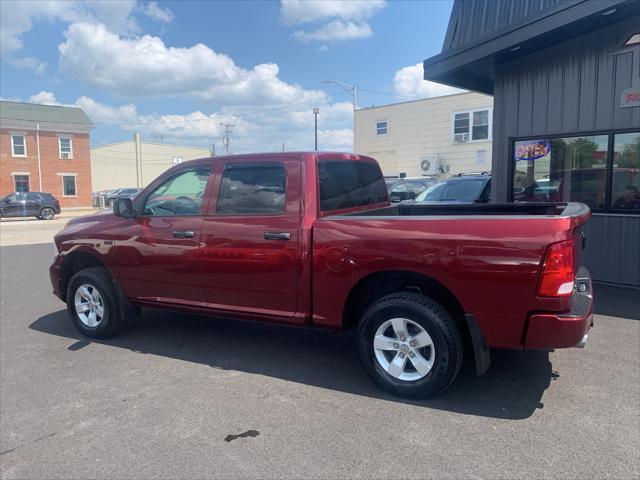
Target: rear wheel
point(92, 303)
point(47, 213)
point(410, 345)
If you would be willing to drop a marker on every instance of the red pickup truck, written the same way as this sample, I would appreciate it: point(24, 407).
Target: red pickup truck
point(311, 239)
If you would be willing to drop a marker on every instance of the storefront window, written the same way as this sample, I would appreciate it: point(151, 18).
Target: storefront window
point(561, 169)
point(625, 187)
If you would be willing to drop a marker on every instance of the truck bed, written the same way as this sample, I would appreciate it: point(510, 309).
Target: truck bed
point(410, 209)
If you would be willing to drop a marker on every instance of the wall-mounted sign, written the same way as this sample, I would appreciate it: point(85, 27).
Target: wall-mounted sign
point(532, 149)
point(631, 96)
point(176, 160)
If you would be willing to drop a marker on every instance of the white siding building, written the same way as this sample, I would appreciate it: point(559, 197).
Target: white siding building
point(435, 136)
point(114, 166)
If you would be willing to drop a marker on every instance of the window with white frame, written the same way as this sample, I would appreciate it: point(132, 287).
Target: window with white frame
point(471, 126)
point(66, 147)
point(69, 186)
point(381, 127)
point(18, 145)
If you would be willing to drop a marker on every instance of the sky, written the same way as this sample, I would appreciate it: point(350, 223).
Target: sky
point(174, 71)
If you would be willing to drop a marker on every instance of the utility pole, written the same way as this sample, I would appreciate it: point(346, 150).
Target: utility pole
point(228, 130)
point(316, 111)
point(136, 140)
point(353, 91)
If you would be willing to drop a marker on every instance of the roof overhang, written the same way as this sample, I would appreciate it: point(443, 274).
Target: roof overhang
point(472, 66)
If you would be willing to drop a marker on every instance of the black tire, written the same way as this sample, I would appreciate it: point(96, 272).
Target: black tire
point(435, 320)
point(112, 321)
point(47, 213)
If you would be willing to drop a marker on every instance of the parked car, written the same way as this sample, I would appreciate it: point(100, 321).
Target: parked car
point(401, 189)
point(464, 188)
point(111, 195)
point(311, 239)
point(29, 204)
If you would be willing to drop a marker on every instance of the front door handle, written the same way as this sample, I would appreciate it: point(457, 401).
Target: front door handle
point(277, 236)
point(183, 234)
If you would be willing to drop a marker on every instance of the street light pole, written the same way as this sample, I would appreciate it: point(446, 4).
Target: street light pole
point(316, 111)
point(353, 91)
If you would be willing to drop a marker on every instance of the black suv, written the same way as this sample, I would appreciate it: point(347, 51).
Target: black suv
point(29, 204)
point(407, 188)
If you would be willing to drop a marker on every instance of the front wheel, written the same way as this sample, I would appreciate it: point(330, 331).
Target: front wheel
point(410, 345)
point(92, 303)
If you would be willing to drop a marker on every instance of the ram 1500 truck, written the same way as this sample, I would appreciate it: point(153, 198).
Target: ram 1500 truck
point(311, 239)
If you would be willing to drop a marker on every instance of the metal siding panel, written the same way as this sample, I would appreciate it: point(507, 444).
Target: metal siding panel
point(556, 88)
point(623, 70)
point(571, 94)
point(540, 96)
point(525, 105)
point(613, 248)
point(588, 89)
point(605, 94)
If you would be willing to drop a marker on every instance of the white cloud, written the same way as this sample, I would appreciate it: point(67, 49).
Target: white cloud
point(409, 82)
point(254, 131)
point(37, 66)
point(349, 18)
point(301, 11)
point(18, 17)
point(153, 11)
point(44, 98)
point(335, 31)
point(145, 66)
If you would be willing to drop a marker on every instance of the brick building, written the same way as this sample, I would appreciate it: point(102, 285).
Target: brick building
point(45, 148)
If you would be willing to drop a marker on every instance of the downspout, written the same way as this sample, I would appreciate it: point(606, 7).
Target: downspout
point(38, 152)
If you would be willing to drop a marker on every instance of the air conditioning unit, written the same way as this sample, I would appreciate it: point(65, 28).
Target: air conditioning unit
point(65, 155)
point(430, 165)
point(461, 137)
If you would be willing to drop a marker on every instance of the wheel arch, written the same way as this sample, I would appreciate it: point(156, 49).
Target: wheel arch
point(74, 262)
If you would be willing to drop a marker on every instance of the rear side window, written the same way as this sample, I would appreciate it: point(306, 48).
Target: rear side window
point(250, 189)
point(345, 184)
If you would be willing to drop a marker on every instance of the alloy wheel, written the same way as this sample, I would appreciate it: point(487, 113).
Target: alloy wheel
point(89, 305)
point(404, 349)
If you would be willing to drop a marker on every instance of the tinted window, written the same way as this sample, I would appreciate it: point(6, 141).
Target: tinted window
point(454, 190)
point(625, 192)
point(416, 187)
point(248, 189)
point(346, 184)
point(179, 195)
point(33, 197)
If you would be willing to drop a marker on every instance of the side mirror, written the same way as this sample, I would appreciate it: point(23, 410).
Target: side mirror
point(123, 207)
point(394, 199)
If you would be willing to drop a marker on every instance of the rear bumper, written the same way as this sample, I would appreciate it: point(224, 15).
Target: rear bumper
point(548, 330)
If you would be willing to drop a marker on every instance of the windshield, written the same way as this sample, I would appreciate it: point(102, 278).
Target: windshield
point(453, 190)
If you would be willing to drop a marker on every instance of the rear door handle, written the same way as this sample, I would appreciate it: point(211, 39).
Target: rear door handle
point(184, 234)
point(277, 236)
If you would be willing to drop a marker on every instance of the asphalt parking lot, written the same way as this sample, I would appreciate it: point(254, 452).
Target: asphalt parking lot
point(179, 396)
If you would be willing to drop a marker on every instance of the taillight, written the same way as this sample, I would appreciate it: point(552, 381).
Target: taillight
point(558, 271)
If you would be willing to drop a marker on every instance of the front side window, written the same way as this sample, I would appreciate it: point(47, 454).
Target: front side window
point(347, 184)
point(22, 183)
point(18, 146)
point(69, 186)
point(381, 128)
point(181, 194)
point(561, 170)
point(66, 148)
point(252, 189)
point(471, 126)
point(625, 189)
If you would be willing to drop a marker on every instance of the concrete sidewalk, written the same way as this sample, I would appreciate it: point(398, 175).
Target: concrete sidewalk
point(30, 230)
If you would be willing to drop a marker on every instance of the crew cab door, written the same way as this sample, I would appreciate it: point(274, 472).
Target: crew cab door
point(157, 251)
point(251, 254)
